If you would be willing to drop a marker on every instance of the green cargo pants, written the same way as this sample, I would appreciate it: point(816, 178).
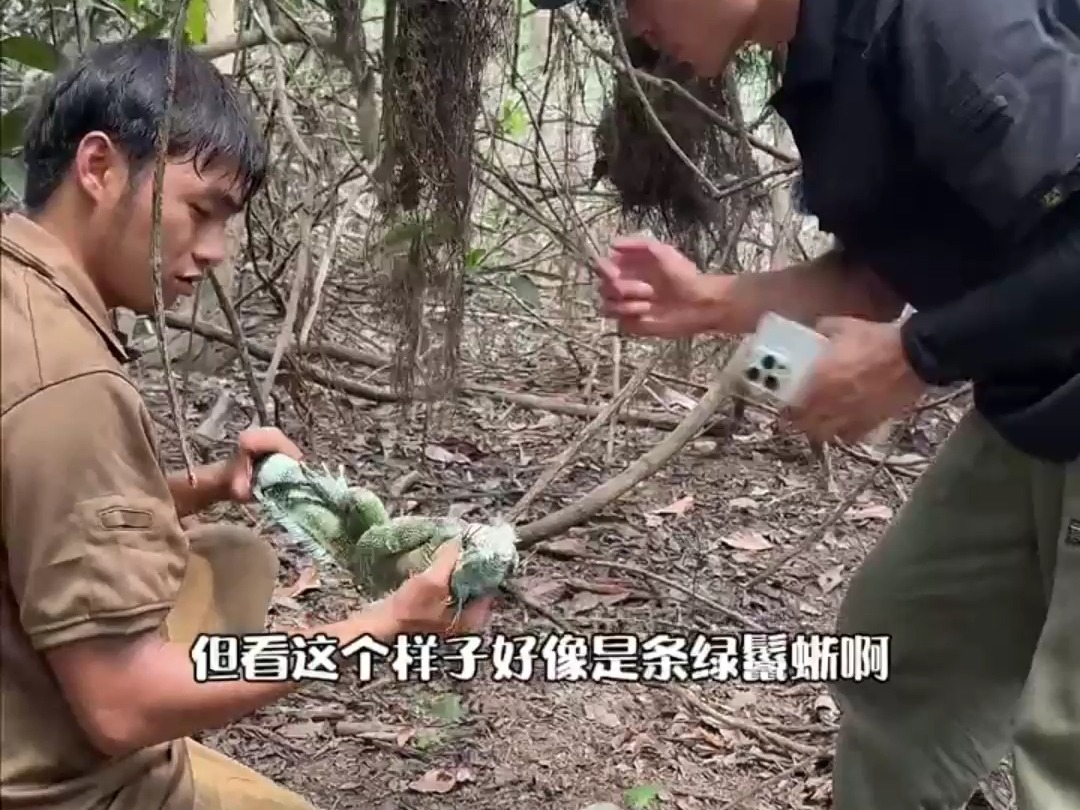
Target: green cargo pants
point(978, 584)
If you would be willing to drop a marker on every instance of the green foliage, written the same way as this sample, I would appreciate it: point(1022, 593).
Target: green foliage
point(35, 54)
point(31, 52)
point(513, 122)
point(12, 127)
point(195, 23)
point(474, 259)
point(641, 797)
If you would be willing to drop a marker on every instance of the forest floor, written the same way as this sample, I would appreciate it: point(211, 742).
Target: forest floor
point(677, 555)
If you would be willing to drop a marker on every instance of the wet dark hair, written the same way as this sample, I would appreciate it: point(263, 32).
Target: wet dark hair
point(119, 88)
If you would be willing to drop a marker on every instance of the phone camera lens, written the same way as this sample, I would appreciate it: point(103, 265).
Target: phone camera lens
point(768, 361)
point(771, 382)
point(753, 373)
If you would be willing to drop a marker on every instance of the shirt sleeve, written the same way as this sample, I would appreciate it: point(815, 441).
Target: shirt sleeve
point(1027, 320)
point(93, 543)
point(990, 94)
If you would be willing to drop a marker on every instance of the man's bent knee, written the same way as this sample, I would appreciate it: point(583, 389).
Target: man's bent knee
point(226, 542)
point(231, 576)
point(222, 783)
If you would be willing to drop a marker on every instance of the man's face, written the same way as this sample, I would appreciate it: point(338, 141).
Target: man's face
point(195, 209)
point(704, 34)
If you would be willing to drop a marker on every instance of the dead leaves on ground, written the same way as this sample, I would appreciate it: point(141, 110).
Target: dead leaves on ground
point(875, 511)
point(747, 540)
point(308, 580)
point(441, 780)
point(678, 508)
point(287, 595)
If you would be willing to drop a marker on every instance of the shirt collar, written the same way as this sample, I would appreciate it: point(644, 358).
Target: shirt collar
point(811, 51)
point(37, 248)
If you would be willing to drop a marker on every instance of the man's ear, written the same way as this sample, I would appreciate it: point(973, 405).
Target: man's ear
point(100, 169)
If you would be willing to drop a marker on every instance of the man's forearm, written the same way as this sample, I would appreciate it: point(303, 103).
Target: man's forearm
point(804, 292)
point(1017, 323)
point(165, 702)
point(209, 489)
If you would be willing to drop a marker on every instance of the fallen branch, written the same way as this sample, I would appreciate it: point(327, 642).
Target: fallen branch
point(264, 353)
point(536, 402)
point(815, 536)
point(590, 430)
point(747, 796)
point(745, 725)
point(644, 572)
point(330, 351)
point(646, 465)
point(378, 394)
point(591, 503)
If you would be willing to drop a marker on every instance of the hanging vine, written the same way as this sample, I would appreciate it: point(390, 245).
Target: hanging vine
point(437, 53)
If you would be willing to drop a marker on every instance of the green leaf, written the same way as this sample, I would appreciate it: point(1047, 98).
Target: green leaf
point(195, 24)
point(12, 129)
point(447, 707)
point(641, 797)
point(31, 52)
point(512, 119)
point(474, 259)
point(13, 176)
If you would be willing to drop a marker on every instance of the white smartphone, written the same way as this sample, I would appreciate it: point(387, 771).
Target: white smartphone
point(777, 359)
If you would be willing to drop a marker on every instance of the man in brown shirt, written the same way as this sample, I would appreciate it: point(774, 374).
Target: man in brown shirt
point(102, 590)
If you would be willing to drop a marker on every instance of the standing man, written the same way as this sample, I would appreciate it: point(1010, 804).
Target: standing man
point(101, 590)
point(940, 145)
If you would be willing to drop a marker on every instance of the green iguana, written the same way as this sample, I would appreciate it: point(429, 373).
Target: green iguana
point(349, 525)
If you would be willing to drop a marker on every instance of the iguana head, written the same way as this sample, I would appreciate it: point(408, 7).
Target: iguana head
point(489, 556)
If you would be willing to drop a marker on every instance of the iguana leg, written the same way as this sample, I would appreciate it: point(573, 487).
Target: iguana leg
point(366, 510)
point(385, 555)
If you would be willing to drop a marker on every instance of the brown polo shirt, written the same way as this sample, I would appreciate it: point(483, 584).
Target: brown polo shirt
point(92, 545)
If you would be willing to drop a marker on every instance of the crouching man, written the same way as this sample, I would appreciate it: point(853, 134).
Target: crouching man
point(103, 591)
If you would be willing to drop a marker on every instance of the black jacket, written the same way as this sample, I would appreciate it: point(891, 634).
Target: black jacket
point(940, 144)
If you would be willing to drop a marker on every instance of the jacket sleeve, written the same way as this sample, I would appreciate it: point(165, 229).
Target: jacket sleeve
point(990, 93)
point(1027, 320)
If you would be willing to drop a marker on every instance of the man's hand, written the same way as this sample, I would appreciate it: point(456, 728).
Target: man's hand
point(228, 480)
point(251, 445)
point(132, 693)
point(422, 603)
point(650, 288)
point(863, 379)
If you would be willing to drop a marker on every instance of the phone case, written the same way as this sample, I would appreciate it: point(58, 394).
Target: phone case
point(778, 358)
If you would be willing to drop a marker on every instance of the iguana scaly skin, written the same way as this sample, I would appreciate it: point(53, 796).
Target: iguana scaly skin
point(348, 525)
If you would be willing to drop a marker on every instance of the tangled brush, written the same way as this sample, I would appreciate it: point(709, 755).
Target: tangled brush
point(433, 78)
point(656, 187)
